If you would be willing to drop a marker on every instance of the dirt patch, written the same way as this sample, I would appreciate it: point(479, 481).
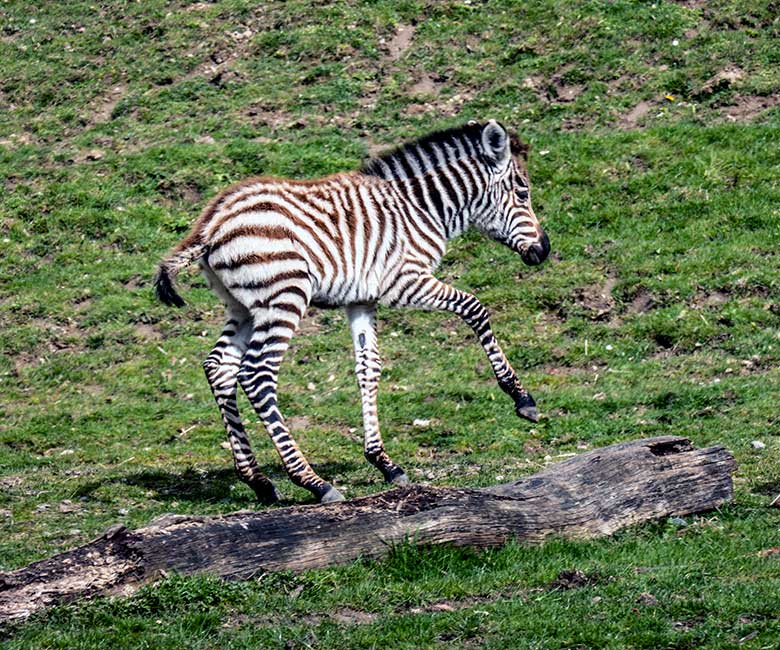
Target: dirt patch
point(399, 43)
point(217, 69)
point(147, 332)
point(597, 299)
point(298, 423)
point(573, 579)
point(426, 85)
point(103, 109)
point(720, 81)
point(135, 282)
point(89, 155)
point(632, 119)
point(309, 324)
point(23, 361)
point(441, 107)
point(82, 303)
point(642, 302)
point(350, 616)
point(264, 115)
point(93, 390)
point(704, 299)
point(747, 108)
point(13, 481)
point(568, 93)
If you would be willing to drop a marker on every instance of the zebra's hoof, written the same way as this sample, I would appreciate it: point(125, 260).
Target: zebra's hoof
point(401, 479)
point(332, 496)
point(525, 407)
point(266, 493)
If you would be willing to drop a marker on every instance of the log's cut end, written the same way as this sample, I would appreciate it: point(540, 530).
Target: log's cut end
point(589, 495)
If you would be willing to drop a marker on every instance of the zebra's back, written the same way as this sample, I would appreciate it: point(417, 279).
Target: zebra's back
point(338, 235)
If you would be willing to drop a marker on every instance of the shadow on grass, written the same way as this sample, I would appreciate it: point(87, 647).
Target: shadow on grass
point(767, 488)
point(189, 485)
point(210, 486)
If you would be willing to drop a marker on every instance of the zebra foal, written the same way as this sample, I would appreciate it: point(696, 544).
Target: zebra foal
point(270, 247)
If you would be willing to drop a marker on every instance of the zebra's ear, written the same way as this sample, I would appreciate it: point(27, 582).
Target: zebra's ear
point(495, 142)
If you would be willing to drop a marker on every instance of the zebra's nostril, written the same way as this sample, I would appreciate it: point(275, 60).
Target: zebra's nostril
point(537, 252)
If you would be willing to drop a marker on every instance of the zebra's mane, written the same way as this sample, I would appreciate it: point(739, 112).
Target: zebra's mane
point(395, 163)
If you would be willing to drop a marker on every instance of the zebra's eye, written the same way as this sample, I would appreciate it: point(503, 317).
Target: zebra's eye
point(522, 194)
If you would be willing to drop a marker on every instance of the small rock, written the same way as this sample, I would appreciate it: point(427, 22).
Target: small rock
point(678, 521)
point(572, 579)
point(68, 506)
point(224, 444)
point(123, 511)
point(646, 598)
point(442, 607)
point(767, 552)
point(421, 423)
point(757, 444)
point(311, 386)
point(67, 452)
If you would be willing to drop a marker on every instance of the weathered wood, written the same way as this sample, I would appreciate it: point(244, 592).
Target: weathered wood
point(589, 495)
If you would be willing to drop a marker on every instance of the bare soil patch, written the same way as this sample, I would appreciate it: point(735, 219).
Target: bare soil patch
point(298, 423)
point(631, 119)
point(426, 85)
point(597, 298)
point(400, 42)
point(642, 302)
point(747, 108)
point(709, 299)
point(147, 332)
point(722, 80)
point(568, 93)
point(103, 109)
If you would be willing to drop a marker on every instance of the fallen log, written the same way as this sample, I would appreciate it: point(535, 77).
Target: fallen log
point(589, 495)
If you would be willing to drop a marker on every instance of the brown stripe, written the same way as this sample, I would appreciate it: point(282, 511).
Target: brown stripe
point(257, 258)
point(279, 277)
point(269, 232)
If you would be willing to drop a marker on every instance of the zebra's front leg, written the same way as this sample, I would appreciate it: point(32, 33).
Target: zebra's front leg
point(430, 293)
point(272, 330)
point(221, 368)
point(368, 367)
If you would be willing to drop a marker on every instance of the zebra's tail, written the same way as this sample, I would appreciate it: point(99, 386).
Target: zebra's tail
point(170, 267)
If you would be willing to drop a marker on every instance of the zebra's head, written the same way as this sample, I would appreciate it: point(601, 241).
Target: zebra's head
point(506, 214)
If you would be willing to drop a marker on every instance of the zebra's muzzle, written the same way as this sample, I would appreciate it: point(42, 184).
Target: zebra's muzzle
point(537, 252)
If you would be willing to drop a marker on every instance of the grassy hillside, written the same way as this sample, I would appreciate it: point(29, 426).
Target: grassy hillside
point(655, 166)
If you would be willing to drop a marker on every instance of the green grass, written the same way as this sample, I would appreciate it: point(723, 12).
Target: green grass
point(657, 314)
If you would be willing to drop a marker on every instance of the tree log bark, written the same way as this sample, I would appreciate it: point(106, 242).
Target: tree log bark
point(589, 495)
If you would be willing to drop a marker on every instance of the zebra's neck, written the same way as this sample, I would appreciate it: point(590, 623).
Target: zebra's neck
point(447, 194)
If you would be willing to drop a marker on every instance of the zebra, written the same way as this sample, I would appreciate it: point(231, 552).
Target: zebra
point(270, 247)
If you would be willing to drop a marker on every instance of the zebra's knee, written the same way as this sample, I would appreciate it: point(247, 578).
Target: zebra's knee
point(211, 366)
point(245, 376)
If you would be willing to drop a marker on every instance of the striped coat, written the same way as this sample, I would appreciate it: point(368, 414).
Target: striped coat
point(270, 247)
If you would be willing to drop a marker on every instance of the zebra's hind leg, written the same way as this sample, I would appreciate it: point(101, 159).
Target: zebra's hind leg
point(368, 367)
point(430, 293)
point(221, 368)
point(272, 329)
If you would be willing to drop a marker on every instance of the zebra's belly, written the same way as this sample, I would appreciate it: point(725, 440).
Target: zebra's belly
point(351, 287)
